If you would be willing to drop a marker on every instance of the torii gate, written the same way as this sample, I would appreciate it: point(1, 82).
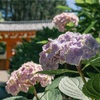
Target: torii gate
point(11, 39)
point(13, 32)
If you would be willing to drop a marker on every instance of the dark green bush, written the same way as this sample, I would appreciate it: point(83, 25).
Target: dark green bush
point(29, 50)
point(89, 16)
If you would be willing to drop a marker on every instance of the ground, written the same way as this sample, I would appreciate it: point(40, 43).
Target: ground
point(3, 79)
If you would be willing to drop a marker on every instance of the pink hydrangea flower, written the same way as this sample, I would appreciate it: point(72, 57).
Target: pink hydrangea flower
point(64, 18)
point(25, 77)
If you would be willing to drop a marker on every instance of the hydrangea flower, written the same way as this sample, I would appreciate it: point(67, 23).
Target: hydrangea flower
point(69, 48)
point(64, 18)
point(25, 77)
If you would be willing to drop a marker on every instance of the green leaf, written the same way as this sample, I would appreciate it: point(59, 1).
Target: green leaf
point(53, 94)
point(31, 89)
point(87, 1)
point(56, 72)
point(90, 26)
point(86, 13)
point(15, 98)
point(79, 1)
point(98, 39)
point(90, 74)
point(72, 87)
point(92, 87)
point(54, 84)
point(71, 24)
point(95, 61)
point(42, 42)
point(63, 7)
point(91, 1)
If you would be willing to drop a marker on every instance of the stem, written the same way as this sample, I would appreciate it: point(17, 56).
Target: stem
point(35, 93)
point(81, 73)
point(82, 76)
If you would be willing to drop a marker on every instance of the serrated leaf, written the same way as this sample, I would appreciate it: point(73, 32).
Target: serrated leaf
point(91, 90)
point(54, 94)
point(72, 87)
point(56, 72)
point(15, 98)
point(81, 83)
point(96, 83)
point(92, 87)
point(54, 84)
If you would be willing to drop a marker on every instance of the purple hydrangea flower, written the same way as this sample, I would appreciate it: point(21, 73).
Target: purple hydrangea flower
point(69, 48)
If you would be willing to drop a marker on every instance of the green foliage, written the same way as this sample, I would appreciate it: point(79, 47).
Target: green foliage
point(98, 39)
point(31, 89)
point(64, 7)
point(72, 87)
point(92, 87)
point(90, 74)
point(95, 61)
point(87, 1)
point(42, 42)
point(90, 27)
point(16, 98)
point(54, 84)
point(29, 50)
point(79, 1)
point(54, 94)
point(89, 15)
point(57, 71)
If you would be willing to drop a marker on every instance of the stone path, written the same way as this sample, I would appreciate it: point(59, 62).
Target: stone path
point(3, 76)
point(3, 79)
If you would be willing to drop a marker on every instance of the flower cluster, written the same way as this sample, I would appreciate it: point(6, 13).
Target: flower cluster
point(69, 48)
point(64, 18)
point(25, 77)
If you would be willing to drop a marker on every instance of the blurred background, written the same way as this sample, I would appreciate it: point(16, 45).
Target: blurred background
point(26, 25)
